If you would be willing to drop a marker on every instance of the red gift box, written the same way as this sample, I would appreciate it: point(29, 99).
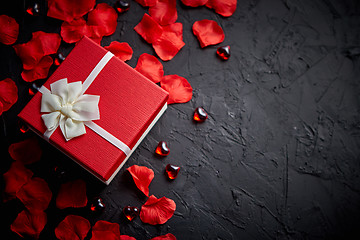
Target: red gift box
point(130, 104)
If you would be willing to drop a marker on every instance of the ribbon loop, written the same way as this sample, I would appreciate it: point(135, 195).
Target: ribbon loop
point(68, 108)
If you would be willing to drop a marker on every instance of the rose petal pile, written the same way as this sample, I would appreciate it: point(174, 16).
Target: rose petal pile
point(35, 55)
point(166, 40)
point(101, 21)
point(179, 89)
point(34, 193)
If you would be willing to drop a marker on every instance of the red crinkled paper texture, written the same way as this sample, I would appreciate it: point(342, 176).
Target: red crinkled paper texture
point(102, 21)
point(149, 29)
point(149, 66)
point(35, 194)
point(8, 94)
point(126, 237)
point(179, 89)
point(194, 3)
point(208, 32)
point(121, 50)
point(29, 223)
point(15, 178)
point(103, 230)
point(40, 71)
point(72, 228)
point(225, 8)
point(9, 30)
point(157, 211)
point(168, 236)
point(147, 3)
point(68, 10)
point(164, 12)
point(72, 194)
point(27, 151)
point(142, 177)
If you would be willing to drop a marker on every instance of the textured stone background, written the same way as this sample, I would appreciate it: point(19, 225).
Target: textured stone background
point(278, 157)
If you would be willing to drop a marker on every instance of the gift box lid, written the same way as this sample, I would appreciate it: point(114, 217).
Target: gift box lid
point(129, 105)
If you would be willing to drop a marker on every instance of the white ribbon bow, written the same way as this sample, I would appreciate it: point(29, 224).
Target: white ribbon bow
point(68, 108)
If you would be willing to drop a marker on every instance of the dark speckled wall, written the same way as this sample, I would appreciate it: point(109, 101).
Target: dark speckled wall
point(279, 156)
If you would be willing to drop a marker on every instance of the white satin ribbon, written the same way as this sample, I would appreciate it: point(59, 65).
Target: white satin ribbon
point(70, 109)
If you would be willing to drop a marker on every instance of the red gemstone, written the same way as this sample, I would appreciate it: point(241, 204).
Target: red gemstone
point(97, 205)
point(200, 115)
point(130, 212)
point(33, 89)
point(223, 52)
point(162, 149)
point(172, 171)
point(22, 126)
point(34, 10)
point(122, 6)
point(59, 59)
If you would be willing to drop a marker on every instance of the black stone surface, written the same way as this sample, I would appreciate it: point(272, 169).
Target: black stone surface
point(279, 155)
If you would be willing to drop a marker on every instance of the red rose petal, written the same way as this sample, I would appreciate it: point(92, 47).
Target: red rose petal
point(30, 53)
point(194, 3)
point(120, 50)
point(168, 45)
point(35, 194)
point(72, 228)
point(50, 42)
point(15, 178)
point(147, 3)
point(27, 151)
point(150, 67)
point(176, 28)
point(208, 32)
point(226, 8)
point(126, 237)
point(179, 89)
point(73, 31)
point(68, 10)
point(40, 71)
point(8, 94)
point(102, 20)
point(103, 230)
point(157, 211)
point(29, 223)
point(72, 194)
point(164, 12)
point(9, 30)
point(40, 45)
point(149, 29)
point(142, 177)
point(168, 236)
